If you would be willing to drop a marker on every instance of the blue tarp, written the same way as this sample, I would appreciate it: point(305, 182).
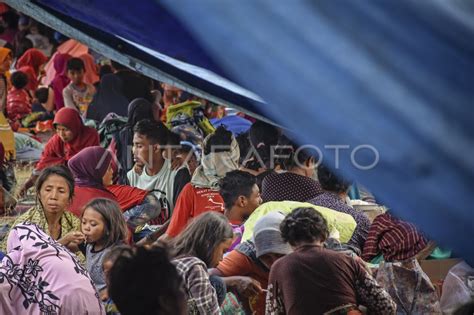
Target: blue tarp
point(390, 82)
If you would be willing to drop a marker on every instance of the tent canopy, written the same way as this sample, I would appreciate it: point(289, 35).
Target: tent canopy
point(388, 83)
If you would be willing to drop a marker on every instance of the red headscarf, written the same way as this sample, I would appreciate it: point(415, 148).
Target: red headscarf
point(60, 80)
point(33, 58)
point(32, 80)
point(58, 152)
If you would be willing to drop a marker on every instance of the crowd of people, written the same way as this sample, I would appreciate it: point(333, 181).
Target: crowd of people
point(149, 200)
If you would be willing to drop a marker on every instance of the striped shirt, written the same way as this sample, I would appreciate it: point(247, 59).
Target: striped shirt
point(395, 239)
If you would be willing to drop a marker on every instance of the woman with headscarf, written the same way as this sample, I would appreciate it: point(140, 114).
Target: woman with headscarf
point(61, 79)
point(90, 74)
point(92, 170)
point(33, 58)
point(5, 63)
point(54, 192)
point(52, 280)
point(221, 155)
point(70, 138)
point(109, 99)
point(137, 110)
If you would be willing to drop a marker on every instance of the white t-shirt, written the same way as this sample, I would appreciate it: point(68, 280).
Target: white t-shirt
point(163, 181)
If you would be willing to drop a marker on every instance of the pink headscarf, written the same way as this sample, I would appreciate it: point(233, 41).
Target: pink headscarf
point(61, 80)
point(71, 47)
point(41, 276)
point(90, 75)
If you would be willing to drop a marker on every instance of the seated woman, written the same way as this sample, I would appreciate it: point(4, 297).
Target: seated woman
point(199, 247)
point(246, 269)
point(221, 155)
point(70, 138)
point(334, 197)
point(92, 172)
point(92, 169)
point(54, 192)
point(296, 182)
point(319, 280)
point(52, 281)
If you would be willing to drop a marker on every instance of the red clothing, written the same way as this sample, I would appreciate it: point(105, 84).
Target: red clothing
point(82, 195)
point(191, 203)
point(395, 239)
point(58, 152)
point(32, 58)
point(128, 196)
point(18, 104)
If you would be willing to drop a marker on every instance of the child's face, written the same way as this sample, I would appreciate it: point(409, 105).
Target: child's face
point(76, 76)
point(92, 225)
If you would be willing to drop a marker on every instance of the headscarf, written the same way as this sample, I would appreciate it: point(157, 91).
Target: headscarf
point(109, 99)
point(58, 152)
point(4, 52)
point(33, 58)
point(71, 47)
point(215, 165)
point(39, 275)
point(89, 166)
point(90, 73)
point(32, 80)
point(61, 80)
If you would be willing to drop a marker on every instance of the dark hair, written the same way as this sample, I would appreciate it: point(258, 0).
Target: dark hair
point(59, 170)
point(234, 184)
point(174, 138)
point(105, 69)
point(75, 64)
point(262, 137)
point(291, 155)
point(202, 235)
point(244, 147)
point(219, 141)
point(19, 79)
point(22, 44)
point(155, 131)
point(129, 280)
point(42, 94)
point(115, 225)
point(304, 225)
point(330, 181)
point(118, 66)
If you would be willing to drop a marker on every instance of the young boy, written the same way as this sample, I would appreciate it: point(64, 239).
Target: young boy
point(77, 94)
point(18, 99)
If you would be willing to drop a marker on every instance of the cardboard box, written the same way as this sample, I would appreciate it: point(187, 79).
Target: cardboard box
point(437, 269)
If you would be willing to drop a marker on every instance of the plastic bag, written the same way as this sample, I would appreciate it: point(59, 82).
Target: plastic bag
point(458, 287)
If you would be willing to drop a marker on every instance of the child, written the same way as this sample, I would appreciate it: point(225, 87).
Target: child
point(45, 100)
point(104, 227)
point(18, 99)
point(77, 94)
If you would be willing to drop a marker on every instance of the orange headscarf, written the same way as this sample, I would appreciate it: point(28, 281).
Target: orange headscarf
point(4, 53)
